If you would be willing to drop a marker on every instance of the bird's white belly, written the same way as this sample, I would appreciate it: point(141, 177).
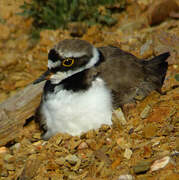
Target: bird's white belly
point(77, 112)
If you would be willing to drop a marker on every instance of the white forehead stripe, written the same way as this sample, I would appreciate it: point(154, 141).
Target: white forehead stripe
point(71, 54)
point(52, 64)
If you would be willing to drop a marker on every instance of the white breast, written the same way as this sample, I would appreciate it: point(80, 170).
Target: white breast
point(77, 112)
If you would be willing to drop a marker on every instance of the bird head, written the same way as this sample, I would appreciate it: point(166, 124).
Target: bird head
point(67, 58)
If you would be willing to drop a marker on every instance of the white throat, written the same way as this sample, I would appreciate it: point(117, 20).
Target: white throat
point(77, 112)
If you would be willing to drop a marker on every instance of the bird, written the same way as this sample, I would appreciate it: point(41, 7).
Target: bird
point(84, 84)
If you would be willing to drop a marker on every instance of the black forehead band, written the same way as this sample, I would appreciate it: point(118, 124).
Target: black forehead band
point(53, 55)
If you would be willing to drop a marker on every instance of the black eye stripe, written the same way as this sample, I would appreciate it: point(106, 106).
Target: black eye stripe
point(56, 69)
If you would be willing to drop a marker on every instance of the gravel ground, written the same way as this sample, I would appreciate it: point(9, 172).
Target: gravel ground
point(143, 142)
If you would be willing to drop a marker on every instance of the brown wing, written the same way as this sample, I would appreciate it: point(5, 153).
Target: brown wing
point(124, 75)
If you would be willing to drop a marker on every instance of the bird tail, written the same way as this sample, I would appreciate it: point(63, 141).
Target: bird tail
point(158, 67)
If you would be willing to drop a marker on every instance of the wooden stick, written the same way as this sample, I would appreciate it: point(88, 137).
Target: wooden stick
point(16, 110)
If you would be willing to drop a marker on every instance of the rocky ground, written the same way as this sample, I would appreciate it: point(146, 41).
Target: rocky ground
point(142, 145)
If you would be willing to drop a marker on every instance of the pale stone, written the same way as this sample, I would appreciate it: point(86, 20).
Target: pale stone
point(60, 161)
point(120, 116)
point(83, 145)
point(161, 163)
point(127, 153)
point(145, 112)
point(126, 177)
point(72, 159)
point(3, 150)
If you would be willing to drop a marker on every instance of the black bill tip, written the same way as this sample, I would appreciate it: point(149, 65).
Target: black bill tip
point(42, 77)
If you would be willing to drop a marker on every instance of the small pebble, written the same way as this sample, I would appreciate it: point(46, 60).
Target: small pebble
point(4, 173)
point(37, 136)
point(120, 116)
point(141, 167)
point(90, 134)
point(17, 146)
point(75, 144)
point(83, 145)
point(131, 130)
point(105, 127)
point(60, 161)
point(127, 153)
point(156, 144)
point(175, 66)
point(125, 177)
point(145, 47)
point(145, 112)
point(161, 163)
point(38, 143)
point(72, 159)
point(3, 150)
point(156, 141)
point(108, 140)
point(175, 153)
point(8, 158)
point(123, 143)
point(59, 140)
point(44, 143)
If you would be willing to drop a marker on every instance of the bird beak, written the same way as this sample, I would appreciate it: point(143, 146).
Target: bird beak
point(45, 76)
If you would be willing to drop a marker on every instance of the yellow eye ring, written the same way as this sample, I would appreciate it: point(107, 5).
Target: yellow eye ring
point(68, 62)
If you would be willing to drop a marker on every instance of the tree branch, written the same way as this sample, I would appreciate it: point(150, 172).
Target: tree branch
point(15, 110)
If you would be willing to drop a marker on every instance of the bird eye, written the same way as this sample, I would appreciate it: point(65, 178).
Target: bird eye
point(68, 62)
